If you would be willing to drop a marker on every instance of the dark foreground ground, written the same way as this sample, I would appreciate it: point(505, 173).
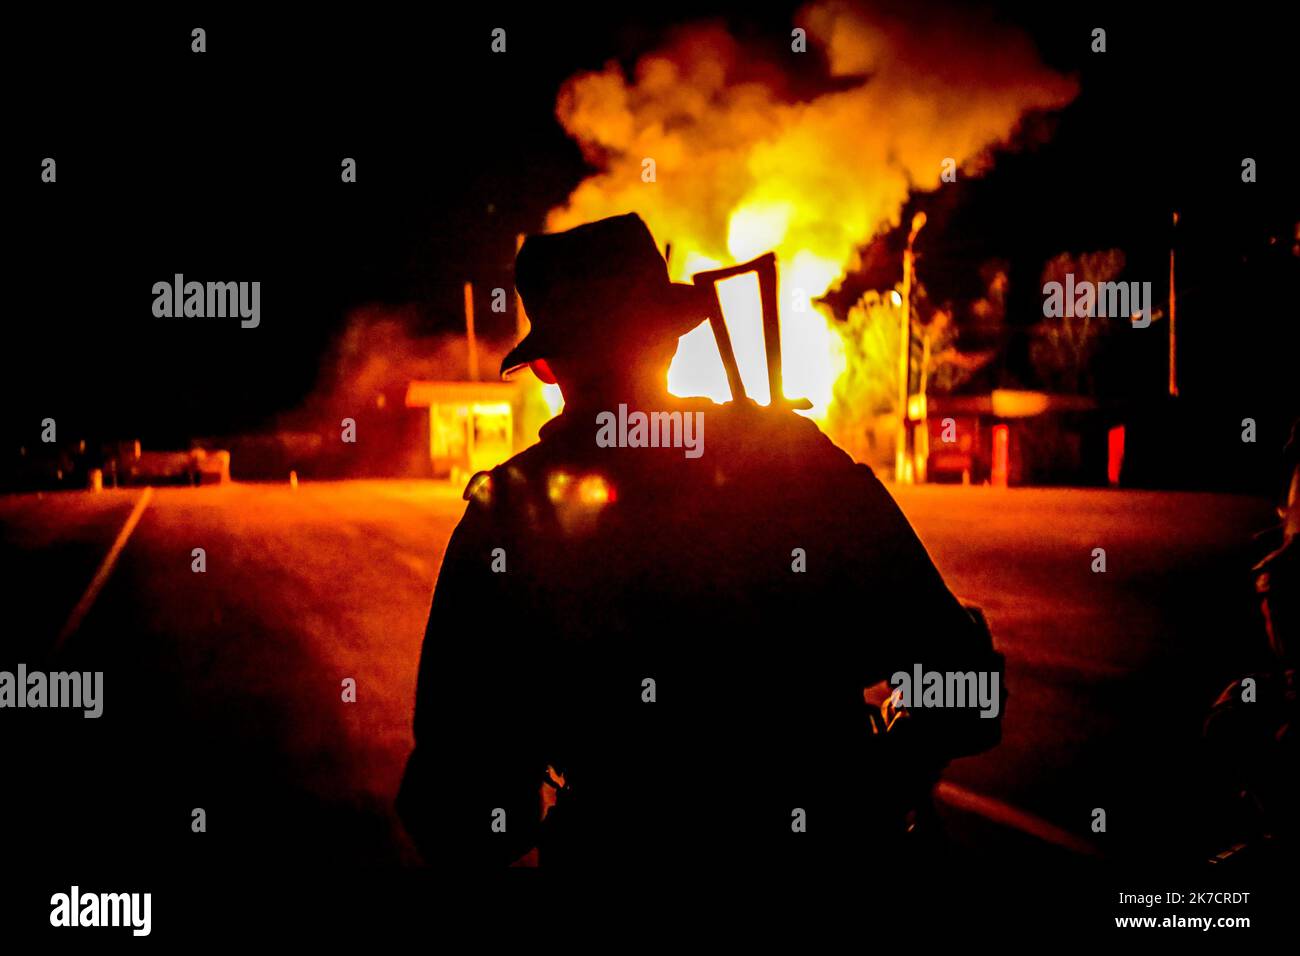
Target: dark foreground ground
point(223, 689)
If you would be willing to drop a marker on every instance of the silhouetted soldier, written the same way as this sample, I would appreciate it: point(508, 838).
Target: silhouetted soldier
point(683, 640)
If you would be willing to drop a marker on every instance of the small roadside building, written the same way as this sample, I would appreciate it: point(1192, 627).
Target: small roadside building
point(471, 424)
point(1011, 437)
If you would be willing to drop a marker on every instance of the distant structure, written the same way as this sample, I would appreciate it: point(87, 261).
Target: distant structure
point(471, 424)
point(1010, 437)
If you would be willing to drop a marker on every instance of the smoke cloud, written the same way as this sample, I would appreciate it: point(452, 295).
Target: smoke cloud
point(743, 165)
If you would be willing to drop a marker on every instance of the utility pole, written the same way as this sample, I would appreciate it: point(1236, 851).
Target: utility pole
point(921, 436)
point(905, 352)
point(1173, 329)
point(470, 340)
point(521, 317)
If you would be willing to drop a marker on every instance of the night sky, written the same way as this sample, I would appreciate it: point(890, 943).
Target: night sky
point(225, 166)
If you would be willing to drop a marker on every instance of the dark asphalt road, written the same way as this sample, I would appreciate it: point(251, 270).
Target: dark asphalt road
point(223, 689)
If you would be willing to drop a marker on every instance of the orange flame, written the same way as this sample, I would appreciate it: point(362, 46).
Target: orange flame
point(706, 143)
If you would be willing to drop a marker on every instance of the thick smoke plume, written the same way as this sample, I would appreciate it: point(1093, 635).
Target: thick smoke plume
point(743, 164)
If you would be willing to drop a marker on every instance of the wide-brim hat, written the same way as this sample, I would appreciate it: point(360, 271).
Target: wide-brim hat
point(600, 284)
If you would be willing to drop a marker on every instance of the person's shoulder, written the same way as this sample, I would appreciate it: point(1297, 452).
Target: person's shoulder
point(809, 438)
point(491, 488)
point(527, 469)
point(780, 436)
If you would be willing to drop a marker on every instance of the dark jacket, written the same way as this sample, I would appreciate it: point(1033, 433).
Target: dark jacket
point(628, 564)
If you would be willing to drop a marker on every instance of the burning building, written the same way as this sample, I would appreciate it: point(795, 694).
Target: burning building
point(728, 153)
